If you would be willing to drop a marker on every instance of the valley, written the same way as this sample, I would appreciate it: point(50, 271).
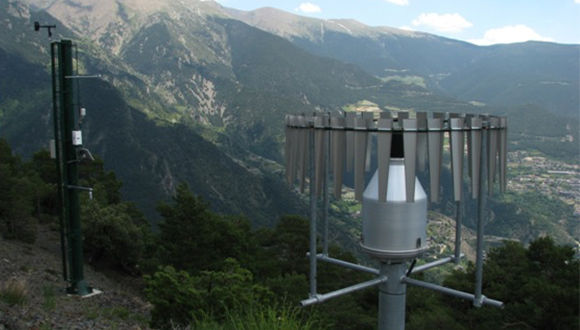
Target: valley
point(206, 106)
point(551, 177)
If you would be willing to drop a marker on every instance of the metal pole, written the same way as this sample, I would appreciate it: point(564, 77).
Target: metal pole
point(458, 221)
point(392, 297)
point(57, 144)
point(312, 214)
point(69, 161)
point(477, 302)
point(323, 297)
point(346, 264)
point(434, 264)
point(451, 292)
point(325, 180)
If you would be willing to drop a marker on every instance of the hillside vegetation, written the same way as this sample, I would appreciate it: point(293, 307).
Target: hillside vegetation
point(213, 271)
point(152, 158)
point(206, 107)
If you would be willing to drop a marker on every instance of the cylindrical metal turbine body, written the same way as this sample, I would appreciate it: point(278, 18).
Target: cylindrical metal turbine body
point(394, 230)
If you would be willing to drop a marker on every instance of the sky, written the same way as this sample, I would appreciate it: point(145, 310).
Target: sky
point(482, 22)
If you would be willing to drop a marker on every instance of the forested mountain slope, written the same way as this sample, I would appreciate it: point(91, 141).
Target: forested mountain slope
point(542, 73)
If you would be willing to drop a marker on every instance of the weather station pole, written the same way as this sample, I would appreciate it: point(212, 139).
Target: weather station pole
point(394, 203)
point(69, 138)
point(68, 150)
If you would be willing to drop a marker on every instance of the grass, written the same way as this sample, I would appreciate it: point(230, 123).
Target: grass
point(49, 298)
point(14, 292)
point(270, 317)
point(114, 315)
point(119, 312)
point(90, 312)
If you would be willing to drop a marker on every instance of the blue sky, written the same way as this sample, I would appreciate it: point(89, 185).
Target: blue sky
point(482, 22)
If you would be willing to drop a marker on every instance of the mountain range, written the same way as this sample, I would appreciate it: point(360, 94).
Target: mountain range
point(541, 73)
point(534, 72)
point(195, 92)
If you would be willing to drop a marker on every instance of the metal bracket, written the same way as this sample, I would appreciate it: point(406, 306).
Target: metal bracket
point(90, 190)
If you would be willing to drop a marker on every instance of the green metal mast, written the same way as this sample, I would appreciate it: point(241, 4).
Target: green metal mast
point(67, 163)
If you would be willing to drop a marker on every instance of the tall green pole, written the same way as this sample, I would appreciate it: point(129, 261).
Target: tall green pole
point(69, 162)
point(58, 155)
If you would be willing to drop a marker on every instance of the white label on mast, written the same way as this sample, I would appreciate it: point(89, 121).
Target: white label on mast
point(77, 138)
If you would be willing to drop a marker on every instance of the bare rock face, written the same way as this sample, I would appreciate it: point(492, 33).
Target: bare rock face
point(18, 9)
point(290, 26)
point(111, 23)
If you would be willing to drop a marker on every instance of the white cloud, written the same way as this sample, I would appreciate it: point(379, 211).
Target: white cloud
point(577, 1)
point(404, 2)
point(406, 28)
point(443, 22)
point(509, 34)
point(307, 7)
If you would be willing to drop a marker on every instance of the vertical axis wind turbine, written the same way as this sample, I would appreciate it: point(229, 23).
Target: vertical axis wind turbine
point(394, 202)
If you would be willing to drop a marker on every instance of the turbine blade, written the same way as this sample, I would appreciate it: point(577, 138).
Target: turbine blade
point(338, 153)
point(410, 147)
point(360, 149)
point(435, 139)
point(475, 154)
point(385, 137)
point(457, 141)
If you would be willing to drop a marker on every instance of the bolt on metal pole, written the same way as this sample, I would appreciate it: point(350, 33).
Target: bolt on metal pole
point(392, 297)
point(477, 302)
point(312, 213)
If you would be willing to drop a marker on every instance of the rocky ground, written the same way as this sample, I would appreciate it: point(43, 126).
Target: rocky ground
point(36, 270)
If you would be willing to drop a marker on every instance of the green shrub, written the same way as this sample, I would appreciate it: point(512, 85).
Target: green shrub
point(14, 292)
point(193, 238)
point(109, 231)
point(174, 297)
point(180, 298)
